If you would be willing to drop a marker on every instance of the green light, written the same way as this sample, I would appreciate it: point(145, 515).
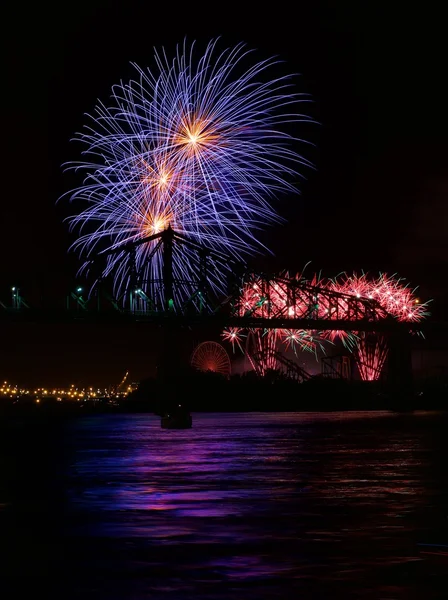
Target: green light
point(79, 289)
point(170, 303)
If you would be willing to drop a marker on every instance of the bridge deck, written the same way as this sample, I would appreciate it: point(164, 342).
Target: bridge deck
point(213, 320)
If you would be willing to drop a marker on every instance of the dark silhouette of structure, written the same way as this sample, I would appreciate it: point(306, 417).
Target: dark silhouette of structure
point(194, 301)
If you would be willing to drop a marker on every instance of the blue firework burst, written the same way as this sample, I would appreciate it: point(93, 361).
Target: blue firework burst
point(199, 143)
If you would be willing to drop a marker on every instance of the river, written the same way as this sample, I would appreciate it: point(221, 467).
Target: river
point(242, 506)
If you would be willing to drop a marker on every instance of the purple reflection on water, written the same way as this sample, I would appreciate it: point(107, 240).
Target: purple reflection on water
point(253, 506)
point(264, 504)
point(212, 470)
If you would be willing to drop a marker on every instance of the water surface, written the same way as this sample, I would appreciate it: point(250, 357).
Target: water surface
point(251, 506)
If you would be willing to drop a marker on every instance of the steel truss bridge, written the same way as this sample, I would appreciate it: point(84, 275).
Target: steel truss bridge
point(287, 367)
point(193, 301)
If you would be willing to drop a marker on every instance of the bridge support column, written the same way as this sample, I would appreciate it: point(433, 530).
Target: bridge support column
point(202, 281)
point(132, 278)
point(167, 239)
point(399, 368)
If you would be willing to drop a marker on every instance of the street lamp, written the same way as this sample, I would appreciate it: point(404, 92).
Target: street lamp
point(15, 297)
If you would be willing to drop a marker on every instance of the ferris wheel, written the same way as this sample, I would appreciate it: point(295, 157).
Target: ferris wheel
point(211, 356)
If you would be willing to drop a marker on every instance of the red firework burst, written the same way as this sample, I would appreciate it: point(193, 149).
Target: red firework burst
point(234, 335)
point(283, 298)
point(391, 292)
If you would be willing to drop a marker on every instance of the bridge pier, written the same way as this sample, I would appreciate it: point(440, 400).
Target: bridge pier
point(172, 366)
point(399, 368)
point(167, 238)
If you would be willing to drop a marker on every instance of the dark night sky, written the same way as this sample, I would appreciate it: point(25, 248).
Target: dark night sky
point(377, 199)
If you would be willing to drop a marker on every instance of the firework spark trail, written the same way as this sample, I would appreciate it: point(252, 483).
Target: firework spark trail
point(197, 143)
point(261, 348)
point(370, 355)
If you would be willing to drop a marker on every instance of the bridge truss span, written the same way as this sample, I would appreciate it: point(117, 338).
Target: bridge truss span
point(177, 275)
point(283, 299)
point(179, 282)
point(293, 313)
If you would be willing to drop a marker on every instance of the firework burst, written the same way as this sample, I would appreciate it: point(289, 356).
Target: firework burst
point(396, 298)
point(198, 143)
point(294, 297)
point(235, 336)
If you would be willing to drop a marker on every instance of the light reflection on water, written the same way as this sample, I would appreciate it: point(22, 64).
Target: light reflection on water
point(257, 505)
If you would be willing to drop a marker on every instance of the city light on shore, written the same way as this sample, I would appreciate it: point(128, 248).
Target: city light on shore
point(70, 393)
